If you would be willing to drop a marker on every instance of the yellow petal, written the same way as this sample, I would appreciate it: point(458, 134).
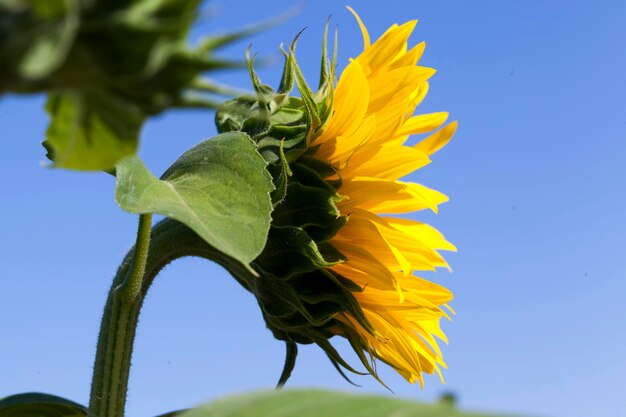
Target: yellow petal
point(387, 87)
point(411, 57)
point(338, 151)
point(382, 52)
point(422, 123)
point(437, 140)
point(388, 197)
point(385, 162)
point(350, 103)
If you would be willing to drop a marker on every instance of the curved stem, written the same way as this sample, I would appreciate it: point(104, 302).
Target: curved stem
point(116, 331)
point(169, 240)
point(131, 287)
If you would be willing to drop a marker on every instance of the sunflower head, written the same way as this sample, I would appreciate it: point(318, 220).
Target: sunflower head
point(338, 260)
point(299, 294)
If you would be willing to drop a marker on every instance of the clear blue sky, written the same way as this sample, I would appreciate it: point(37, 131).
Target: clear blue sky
point(537, 209)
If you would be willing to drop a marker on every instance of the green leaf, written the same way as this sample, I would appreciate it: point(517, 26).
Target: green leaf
point(45, 44)
point(173, 413)
point(34, 404)
point(315, 403)
point(50, 9)
point(90, 131)
point(109, 65)
point(220, 189)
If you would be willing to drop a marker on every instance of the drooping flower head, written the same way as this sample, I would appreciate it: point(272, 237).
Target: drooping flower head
point(340, 261)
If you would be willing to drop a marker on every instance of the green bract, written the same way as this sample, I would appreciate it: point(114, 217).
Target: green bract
point(108, 65)
point(298, 294)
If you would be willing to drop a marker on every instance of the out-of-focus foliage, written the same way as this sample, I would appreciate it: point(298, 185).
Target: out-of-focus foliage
point(315, 403)
point(108, 65)
point(287, 403)
point(35, 404)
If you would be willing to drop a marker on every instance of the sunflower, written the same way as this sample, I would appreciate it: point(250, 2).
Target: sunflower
point(339, 261)
point(365, 140)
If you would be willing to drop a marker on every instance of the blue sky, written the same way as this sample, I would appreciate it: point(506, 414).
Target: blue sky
point(536, 185)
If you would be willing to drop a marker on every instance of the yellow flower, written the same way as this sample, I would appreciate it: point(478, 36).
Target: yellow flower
point(338, 261)
point(364, 140)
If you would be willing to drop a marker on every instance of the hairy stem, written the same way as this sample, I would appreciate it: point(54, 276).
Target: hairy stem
point(168, 240)
point(110, 379)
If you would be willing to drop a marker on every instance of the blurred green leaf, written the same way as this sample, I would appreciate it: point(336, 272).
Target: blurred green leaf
point(108, 66)
point(33, 48)
point(173, 413)
point(48, 47)
point(34, 404)
point(90, 131)
point(315, 403)
point(219, 188)
point(50, 9)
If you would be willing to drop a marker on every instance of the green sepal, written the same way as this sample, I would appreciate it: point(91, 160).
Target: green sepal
point(288, 115)
point(40, 405)
point(291, 251)
point(307, 176)
point(325, 95)
point(281, 179)
point(292, 138)
point(303, 308)
point(258, 124)
point(283, 309)
point(326, 286)
point(324, 73)
point(313, 117)
point(321, 168)
point(232, 113)
point(278, 122)
point(287, 79)
point(288, 129)
point(360, 347)
point(324, 234)
point(306, 206)
point(336, 359)
point(291, 355)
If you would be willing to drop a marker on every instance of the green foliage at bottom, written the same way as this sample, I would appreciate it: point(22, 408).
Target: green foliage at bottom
point(34, 404)
point(283, 403)
point(316, 403)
